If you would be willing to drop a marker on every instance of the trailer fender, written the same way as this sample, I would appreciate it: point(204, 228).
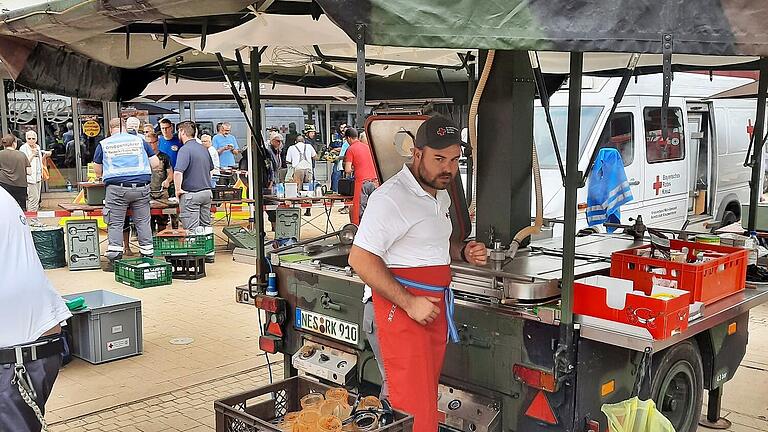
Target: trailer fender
point(722, 349)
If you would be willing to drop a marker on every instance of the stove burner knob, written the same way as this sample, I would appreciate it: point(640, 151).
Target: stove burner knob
point(307, 352)
point(342, 364)
point(324, 358)
point(454, 405)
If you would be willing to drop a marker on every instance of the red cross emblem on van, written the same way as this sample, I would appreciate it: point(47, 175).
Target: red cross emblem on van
point(657, 185)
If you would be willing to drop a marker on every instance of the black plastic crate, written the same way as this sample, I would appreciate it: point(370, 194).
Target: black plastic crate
point(187, 267)
point(222, 193)
point(257, 410)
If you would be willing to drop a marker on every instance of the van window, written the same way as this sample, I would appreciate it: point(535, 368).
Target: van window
point(619, 133)
point(656, 148)
point(544, 148)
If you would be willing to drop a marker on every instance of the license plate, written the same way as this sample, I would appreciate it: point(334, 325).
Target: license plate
point(327, 326)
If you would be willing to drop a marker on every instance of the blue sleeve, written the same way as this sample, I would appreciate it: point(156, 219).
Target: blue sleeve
point(98, 155)
point(344, 149)
point(216, 141)
point(182, 160)
point(148, 149)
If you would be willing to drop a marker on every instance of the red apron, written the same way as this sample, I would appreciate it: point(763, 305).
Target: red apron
point(413, 354)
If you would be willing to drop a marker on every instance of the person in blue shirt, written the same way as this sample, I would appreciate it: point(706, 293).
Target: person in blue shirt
point(169, 143)
point(226, 145)
point(125, 162)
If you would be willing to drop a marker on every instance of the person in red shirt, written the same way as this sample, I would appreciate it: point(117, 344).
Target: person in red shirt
point(359, 159)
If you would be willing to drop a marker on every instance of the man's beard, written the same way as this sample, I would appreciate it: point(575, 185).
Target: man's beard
point(433, 182)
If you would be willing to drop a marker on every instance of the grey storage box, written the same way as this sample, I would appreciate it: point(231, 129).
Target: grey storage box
point(108, 329)
point(83, 244)
point(761, 222)
point(288, 223)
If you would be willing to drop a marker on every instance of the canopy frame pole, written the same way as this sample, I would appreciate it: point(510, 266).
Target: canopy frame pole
point(757, 155)
point(360, 89)
point(541, 87)
point(564, 353)
point(325, 58)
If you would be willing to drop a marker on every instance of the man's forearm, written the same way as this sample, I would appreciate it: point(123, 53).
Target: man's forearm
point(178, 178)
point(375, 274)
point(456, 248)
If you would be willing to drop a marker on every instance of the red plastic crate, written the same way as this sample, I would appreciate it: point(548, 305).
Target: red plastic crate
point(661, 317)
point(708, 282)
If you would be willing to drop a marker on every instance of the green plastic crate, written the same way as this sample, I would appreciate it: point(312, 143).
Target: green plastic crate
point(143, 272)
point(187, 245)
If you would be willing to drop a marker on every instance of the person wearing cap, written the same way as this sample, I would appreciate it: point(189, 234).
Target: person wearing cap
point(403, 251)
point(125, 162)
point(358, 159)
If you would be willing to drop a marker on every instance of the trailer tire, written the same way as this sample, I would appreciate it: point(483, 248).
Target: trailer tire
point(678, 385)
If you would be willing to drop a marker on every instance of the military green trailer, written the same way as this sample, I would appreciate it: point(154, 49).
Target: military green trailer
point(525, 362)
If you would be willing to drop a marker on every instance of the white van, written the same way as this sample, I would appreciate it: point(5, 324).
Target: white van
point(698, 175)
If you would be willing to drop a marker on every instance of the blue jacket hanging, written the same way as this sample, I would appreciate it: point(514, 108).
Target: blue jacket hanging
point(608, 188)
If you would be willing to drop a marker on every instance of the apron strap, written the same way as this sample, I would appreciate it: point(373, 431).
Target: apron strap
point(453, 332)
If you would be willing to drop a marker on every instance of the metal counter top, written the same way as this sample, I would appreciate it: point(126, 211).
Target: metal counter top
point(713, 315)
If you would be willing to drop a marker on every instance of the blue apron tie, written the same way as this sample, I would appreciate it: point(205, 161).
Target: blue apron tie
point(453, 333)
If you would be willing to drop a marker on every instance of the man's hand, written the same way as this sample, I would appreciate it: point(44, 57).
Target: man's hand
point(476, 253)
point(180, 192)
point(422, 309)
point(166, 183)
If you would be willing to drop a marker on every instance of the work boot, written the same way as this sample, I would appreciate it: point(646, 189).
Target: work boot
point(307, 212)
point(109, 265)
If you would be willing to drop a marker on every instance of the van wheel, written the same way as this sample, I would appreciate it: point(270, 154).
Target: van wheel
point(729, 217)
point(678, 385)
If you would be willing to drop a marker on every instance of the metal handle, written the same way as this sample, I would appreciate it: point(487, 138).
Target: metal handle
point(634, 182)
point(326, 302)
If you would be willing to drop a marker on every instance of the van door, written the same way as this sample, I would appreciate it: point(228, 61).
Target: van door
point(698, 145)
point(665, 188)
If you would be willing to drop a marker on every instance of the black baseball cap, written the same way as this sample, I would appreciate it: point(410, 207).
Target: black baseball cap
point(437, 132)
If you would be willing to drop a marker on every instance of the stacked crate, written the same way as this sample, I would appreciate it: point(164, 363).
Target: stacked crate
point(185, 251)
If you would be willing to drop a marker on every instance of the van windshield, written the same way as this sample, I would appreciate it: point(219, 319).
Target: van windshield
point(544, 147)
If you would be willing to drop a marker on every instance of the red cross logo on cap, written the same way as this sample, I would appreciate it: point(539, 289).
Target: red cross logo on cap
point(441, 131)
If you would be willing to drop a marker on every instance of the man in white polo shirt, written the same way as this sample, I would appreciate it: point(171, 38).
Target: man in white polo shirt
point(403, 251)
point(31, 313)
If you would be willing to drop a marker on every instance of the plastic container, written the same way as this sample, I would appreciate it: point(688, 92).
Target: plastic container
point(328, 423)
point(109, 328)
point(337, 393)
point(312, 401)
point(369, 402)
point(180, 243)
point(187, 267)
point(291, 190)
point(255, 410)
point(662, 313)
point(635, 415)
point(143, 272)
point(83, 244)
point(723, 274)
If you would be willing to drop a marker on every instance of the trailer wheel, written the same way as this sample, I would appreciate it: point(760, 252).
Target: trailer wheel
point(678, 385)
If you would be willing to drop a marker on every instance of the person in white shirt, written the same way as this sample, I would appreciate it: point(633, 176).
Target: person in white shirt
point(403, 251)
point(300, 156)
point(31, 313)
point(35, 172)
point(205, 139)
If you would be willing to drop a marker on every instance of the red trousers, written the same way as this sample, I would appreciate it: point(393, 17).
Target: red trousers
point(413, 354)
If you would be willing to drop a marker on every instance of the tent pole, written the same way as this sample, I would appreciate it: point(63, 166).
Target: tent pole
point(257, 144)
point(563, 356)
point(360, 91)
point(757, 155)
